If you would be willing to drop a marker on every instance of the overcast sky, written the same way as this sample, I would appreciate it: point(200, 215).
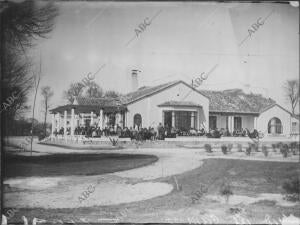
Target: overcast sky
point(182, 41)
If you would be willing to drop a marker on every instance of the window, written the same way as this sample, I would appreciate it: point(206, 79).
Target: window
point(238, 123)
point(274, 126)
point(212, 122)
point(137, 120)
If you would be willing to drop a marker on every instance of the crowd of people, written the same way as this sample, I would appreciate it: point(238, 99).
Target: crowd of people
point(153, 133)
point(244, 132)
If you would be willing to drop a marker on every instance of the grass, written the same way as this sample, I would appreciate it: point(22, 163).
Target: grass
point(72, 164)
point(246, 178)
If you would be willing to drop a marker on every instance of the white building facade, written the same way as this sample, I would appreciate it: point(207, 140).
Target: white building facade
point(179, 105)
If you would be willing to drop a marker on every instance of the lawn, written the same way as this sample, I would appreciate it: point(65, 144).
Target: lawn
point(72, 164)
point(248, 178)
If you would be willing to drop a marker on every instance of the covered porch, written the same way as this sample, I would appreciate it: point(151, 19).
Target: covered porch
point(182, 115)
point(68, 119)
point(232, 122)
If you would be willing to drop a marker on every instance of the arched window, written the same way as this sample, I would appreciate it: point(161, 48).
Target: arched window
point(137, 120)
point(274, 126)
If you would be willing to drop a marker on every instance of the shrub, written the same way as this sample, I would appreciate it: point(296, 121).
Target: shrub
point(240, 147)
point(235, 210)
point(207, 148)
point(279, 145)
point(265, 150)
point(226, 191)
point(253, 146)
point(114, 141)
point(284, 150)
point(292, 188)
point(41, 136)
point(230, 146)
point(293, 147)
point(274, 146)
point(224, 149)
point(248, 150)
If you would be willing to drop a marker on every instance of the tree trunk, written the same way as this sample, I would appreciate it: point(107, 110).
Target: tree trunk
point(32, 124)
point(45, 119)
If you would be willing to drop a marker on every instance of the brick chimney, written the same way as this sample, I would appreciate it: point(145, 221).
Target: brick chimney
point(134, 80)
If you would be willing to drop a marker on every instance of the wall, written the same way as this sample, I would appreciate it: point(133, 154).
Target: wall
point(275, 111)
point(152, 114)
point(296, 128)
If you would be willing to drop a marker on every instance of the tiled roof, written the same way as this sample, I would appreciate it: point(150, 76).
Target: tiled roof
point(235, 100)
point(231, 101)
point(180, 103)
point(88, 109)
point(145, 91)
point(104, 102)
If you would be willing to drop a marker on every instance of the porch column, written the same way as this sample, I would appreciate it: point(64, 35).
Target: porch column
point(173, 118)
point(82, 120)
point(163, 118)
point(255, 122)
point(92, 118)
point(230, 123)
point(76, 121)
point(65, 122)
point(100, 124)
point(53, 123)
point(58, 120)
point(118, 119)
point(105, 120)
point(72, 121)
point(192, 120)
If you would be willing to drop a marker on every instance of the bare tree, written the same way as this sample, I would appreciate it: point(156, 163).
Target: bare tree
point(74, 91)
point(26, 21)
point(47, 93)
point(37, 79)
point(21, 23)
point(291, 88)
point(93, 90)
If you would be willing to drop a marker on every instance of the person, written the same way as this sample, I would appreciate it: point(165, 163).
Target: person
point(173, 132)
point(119, 131)
point(94, 134)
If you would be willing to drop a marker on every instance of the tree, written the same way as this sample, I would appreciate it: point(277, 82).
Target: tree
point(291, 88)
point(75, 90)
point(47, 93)
point(112, 94)
point(37, 79)
point(21, 24)
point(93, 90)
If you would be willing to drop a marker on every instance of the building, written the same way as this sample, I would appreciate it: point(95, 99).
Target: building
point(177, 104)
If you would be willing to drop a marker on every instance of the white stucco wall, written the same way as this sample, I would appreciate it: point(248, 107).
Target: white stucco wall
point(152, 114)
point(248, 122)
point(275, 111)
point(296, 129)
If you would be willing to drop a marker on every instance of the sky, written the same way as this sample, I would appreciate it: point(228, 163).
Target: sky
point(183, 40)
